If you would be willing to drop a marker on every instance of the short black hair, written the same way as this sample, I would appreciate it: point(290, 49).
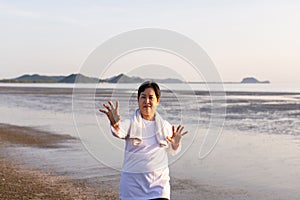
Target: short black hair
point(149, 84)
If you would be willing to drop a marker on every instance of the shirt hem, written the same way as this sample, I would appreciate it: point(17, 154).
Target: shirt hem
point(143, 198)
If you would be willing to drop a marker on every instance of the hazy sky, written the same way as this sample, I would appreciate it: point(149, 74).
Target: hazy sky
point(257, 38)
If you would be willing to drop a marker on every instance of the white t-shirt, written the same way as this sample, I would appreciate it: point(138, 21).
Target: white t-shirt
point(145, 172)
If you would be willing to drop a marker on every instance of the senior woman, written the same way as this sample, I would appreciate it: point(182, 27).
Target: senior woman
point(149, 138)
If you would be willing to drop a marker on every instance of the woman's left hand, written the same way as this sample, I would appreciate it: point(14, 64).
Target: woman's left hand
point(176, 136)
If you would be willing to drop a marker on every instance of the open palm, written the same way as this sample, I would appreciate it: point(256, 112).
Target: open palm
point(176, 135)
point(112, 112)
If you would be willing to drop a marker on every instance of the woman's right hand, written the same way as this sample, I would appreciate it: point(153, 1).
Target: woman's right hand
point(112, 113)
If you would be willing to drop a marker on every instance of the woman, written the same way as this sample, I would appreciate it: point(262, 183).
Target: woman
point(145, 172)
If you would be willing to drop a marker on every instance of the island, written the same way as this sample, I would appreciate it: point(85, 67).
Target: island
point(251, 80)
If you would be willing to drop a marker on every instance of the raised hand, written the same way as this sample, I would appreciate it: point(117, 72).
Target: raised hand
point(176, 136)
point(112, 113)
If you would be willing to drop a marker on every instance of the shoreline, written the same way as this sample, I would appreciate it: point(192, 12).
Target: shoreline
point(31, 137)
point(22, 181)
point(68, 89)
point(22, 177)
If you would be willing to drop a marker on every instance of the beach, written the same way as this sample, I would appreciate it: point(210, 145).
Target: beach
point(228, 173)
point(44, 155)
point(19, 181)
point(23, 181)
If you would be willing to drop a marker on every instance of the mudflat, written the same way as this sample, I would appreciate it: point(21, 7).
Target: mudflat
point(18, 181)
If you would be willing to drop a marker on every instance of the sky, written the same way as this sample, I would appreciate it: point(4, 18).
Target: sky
point(258, 38)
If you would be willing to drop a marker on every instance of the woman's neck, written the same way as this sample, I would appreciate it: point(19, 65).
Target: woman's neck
point(148, 117)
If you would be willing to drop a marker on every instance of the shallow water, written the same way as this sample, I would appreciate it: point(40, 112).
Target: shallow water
point(257, 125)
point(258, 112)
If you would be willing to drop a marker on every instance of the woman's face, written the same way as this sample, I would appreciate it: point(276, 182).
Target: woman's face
point(148, 103)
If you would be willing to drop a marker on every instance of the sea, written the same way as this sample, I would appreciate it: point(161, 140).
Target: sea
point(207, 111)
point(258, 108)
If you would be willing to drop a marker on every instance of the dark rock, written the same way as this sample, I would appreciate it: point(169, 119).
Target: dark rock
point(252, 80)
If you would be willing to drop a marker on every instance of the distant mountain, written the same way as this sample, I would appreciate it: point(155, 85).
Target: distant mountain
point(168, 80)
point(35, 78)
point(80, 78)
point(252, 80)
point(122, 78)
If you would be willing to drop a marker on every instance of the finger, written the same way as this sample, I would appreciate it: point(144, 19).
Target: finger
point(178, 128)
point(117, 105)
point(103, 111)
point(173, 131)
point(106, 106)
point(111, 105)
point(184, 133)
point(169, 139)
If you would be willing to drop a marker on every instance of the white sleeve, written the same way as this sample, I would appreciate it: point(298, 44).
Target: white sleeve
point(173, 152)
point(122, 133)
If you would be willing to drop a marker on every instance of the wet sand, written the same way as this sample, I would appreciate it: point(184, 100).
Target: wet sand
point(24, 181)
point(19, 181)
point(26, 136)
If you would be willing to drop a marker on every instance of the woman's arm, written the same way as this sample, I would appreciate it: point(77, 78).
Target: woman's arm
point(121, 130)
